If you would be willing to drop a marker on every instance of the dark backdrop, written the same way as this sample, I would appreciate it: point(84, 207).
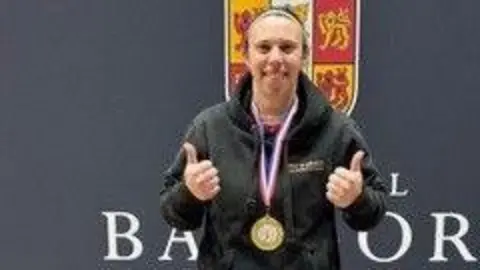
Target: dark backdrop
point(95, 96)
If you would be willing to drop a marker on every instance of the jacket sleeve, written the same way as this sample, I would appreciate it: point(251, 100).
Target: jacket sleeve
point(370, 207)
point(179, 207)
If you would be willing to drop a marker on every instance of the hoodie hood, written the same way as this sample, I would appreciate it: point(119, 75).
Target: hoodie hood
point(313, 109)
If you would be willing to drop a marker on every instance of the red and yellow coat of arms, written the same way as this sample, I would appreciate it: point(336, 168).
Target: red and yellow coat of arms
point(334, 29)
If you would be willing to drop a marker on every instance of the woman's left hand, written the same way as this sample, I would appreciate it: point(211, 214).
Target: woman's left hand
point(345, 185)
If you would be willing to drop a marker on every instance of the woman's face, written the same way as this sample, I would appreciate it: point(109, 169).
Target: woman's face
point(274, 55)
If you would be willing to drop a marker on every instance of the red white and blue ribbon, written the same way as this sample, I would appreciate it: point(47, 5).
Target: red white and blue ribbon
point(267, 185)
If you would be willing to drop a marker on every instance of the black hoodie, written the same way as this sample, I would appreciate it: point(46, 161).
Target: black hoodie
point(318, 140)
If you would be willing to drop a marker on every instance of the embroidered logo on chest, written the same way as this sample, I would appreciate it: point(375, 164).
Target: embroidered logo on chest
point(309, 166)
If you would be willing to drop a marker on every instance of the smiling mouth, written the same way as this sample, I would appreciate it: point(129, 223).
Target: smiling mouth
point(275, 75)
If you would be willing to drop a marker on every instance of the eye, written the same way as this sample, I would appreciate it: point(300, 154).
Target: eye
point(263, 47)
point(287, 48)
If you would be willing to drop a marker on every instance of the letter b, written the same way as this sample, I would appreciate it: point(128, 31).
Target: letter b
point(113, 236)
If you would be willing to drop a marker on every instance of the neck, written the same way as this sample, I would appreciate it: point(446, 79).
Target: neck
point(272, 107)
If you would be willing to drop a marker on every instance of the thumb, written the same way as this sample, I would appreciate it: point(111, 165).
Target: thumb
point(356, 162)
point(190, 153)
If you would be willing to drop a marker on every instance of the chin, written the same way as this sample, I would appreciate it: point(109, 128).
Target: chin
point(277, 88)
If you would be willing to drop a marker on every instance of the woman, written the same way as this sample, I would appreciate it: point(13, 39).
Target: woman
point(266, 170)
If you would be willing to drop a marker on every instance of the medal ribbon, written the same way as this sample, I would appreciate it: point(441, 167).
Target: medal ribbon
point(267, 185)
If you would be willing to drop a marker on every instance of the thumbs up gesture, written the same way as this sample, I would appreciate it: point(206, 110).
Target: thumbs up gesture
point(200, 177)
point(345, 185)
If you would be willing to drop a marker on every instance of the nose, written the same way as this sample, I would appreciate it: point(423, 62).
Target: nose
point(275, 54)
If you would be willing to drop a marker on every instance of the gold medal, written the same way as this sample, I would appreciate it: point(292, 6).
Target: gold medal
point(267, 233)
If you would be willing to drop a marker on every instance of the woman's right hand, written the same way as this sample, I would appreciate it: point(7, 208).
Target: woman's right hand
point(201, 177)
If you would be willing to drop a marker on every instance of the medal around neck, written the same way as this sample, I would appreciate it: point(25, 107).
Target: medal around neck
point(267, 233)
